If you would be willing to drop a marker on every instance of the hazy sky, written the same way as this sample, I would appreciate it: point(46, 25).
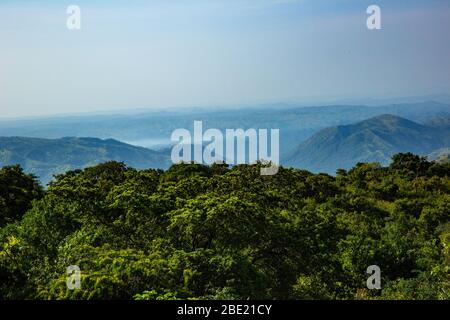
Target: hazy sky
point(163, 53)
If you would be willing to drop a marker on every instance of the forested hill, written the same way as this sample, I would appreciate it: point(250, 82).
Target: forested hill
point(371, 140)
point(46, 157)
point(217, 233)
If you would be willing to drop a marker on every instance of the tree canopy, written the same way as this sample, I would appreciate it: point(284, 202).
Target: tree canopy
point(214, 232)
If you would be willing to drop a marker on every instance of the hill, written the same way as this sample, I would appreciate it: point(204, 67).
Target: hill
point(151, 129)
point(46, 157)
point(439, 120)
point(372, 140)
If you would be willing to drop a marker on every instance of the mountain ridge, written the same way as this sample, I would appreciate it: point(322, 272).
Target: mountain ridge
point(47, 157)
point(372, 140)
point(152, 129)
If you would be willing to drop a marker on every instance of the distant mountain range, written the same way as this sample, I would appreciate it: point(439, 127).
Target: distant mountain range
point(152, 129)
point(46, 157)
point(320, 139)
point(372, 140)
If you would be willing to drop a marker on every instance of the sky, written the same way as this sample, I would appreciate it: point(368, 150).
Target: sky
point(186, 53)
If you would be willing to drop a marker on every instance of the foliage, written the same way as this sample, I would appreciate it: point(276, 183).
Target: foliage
point(198, 232)
point(17, 190)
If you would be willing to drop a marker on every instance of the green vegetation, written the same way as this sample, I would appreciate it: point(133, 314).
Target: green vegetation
point(47, 157)
point(198, 232)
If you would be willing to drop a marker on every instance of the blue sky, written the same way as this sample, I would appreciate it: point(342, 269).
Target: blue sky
point(153, 54)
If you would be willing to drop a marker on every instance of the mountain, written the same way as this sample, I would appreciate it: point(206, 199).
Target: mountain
point(439, 120)
point(337, 141)
point(372, 140)
point(151, 129)
point(46, 157)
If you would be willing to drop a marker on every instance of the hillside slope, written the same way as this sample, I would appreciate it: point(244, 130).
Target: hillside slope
point(372, 140)
point(46, 157)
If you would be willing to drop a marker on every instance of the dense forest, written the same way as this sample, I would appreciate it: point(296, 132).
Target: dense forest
point(214, 232)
